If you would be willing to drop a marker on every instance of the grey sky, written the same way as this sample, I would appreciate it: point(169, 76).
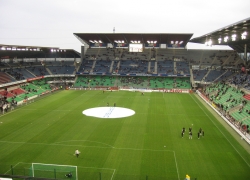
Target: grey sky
point(52, 22)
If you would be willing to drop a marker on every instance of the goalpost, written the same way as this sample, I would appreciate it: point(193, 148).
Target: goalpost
point(53, 171)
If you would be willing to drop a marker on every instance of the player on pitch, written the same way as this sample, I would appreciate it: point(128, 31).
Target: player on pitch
point(77, 153)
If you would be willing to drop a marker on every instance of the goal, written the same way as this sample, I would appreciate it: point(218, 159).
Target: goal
point(53, 171)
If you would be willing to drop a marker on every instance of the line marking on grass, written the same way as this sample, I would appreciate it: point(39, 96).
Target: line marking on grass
point(110, 169)
point(45, 110)
point(176, 165)
point(27, 104)
point(153, 150)
point(114, 170)
point(17, 109)
point(193, 115)
point(174, 151)
point(221, 131)
point(84, 141)
point(174, 114)
point(8, 112)
point(109, 146)
point(113, 174)
point(12, 167)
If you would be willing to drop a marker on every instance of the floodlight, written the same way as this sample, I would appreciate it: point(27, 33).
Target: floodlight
point(100, 41)
point(172, 42)
point(155, 42)
point(243, 35)
point(210, 42)
point(122, 41)
point(219, 40)
point(139, 41)
point(132, 41)
point(234, 37)
point(176, 42)
point(3, 48)
point(180, 42)
point(152, 42)
point(148, 42)
point(225, 39)
point(135, 41)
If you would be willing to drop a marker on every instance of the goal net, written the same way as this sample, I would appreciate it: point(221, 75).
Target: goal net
point(53, 171)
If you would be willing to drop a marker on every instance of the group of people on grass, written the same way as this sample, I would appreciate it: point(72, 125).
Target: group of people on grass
point(190, 133)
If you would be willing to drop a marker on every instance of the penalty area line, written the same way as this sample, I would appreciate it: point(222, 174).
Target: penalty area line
point(113, 174)
point(176, 165)
point(12, 167)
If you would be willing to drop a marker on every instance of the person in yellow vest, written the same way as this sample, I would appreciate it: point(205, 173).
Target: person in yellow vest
point(187, 177)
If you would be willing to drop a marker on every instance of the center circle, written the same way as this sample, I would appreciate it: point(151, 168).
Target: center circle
point(109, 112)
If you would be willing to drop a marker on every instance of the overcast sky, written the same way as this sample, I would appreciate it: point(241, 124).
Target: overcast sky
point(51, 23)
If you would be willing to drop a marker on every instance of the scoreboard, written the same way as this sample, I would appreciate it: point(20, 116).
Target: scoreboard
point(135, 47)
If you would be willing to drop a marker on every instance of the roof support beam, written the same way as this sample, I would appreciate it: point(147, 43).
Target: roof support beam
point(108, 39)
point(125, 39)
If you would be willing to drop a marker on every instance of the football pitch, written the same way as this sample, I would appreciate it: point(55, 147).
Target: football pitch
point(146, 145)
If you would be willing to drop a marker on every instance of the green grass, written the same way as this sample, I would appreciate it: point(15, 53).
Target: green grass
point(49, 130)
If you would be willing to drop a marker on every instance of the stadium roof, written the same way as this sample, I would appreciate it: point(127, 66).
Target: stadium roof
point(160, 38)
point(21, 51)
point(225, 36)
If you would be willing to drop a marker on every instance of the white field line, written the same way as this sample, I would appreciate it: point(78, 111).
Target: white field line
point(114, 170)
point(65, 145)
point(21, 108)
point(83, 141)
point(109, 169)
point(221, 132)
point(46, 110)
point(174, 151)
point(54, 164)
point(195, 115)
point(12, 167)
point(176, 165)
point(113, 174)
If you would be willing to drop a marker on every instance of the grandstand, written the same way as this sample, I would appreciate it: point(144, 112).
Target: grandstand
point(28, 72)
point(108, 65)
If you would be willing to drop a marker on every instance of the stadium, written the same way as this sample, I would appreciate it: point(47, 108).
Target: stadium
point(132, 105)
